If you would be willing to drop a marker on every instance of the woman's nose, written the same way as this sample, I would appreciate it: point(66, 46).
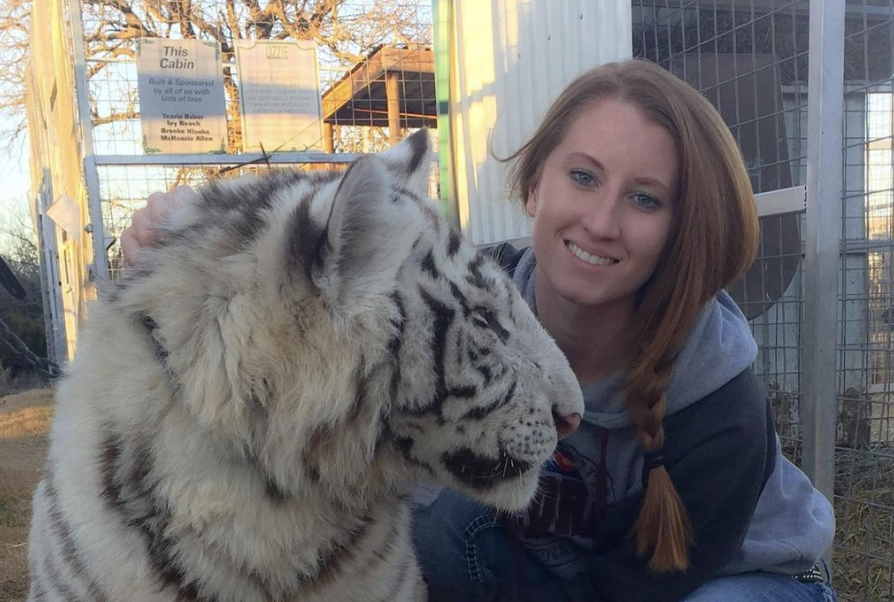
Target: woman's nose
point(603, 217)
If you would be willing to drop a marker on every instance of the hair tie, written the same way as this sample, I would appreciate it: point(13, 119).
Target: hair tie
point(652, 459)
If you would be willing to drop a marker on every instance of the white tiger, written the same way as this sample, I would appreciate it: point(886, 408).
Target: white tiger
point(247, 408)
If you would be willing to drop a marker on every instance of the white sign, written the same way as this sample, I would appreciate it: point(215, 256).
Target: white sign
point(280, 95)
point(182, 107)
point(67, 215)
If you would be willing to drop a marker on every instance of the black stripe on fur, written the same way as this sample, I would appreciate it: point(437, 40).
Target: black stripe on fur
point(152, 520)
point(453, 243)
point(461, 299)
point(482, 413)
point(306, 242)
point(475, 277)
point(67, 545)
point(419, 142)
point(58, 582)
point(333, 560)
point(443, 318)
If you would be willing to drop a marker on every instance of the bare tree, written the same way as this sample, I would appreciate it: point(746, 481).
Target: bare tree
point(344, 29)
point(15, 18)
point(22, 337)
point(18, 246)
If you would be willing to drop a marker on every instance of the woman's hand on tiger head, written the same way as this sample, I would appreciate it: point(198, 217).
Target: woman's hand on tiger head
point(143, 230)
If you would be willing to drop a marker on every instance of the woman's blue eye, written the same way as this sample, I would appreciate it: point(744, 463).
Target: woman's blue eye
point(646, 201)
point(582, 178)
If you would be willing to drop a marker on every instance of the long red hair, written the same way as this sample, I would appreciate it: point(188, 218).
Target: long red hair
point(713, 240)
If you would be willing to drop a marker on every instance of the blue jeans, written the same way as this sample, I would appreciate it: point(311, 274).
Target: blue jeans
point(462, 548)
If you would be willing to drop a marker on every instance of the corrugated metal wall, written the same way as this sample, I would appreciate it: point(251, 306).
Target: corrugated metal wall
point(510, 58)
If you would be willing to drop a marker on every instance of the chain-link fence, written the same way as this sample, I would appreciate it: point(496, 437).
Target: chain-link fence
point(750, 59)
point(375, 80)
point(361, 48)
point(751, 63)
point(375, 69)
point(865, 457)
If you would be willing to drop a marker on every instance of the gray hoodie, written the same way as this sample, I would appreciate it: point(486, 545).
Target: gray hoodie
point(776, 520)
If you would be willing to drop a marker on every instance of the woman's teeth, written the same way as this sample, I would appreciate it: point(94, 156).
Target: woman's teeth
point(592, 259)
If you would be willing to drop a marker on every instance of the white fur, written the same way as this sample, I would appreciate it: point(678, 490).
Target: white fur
point(245, 452)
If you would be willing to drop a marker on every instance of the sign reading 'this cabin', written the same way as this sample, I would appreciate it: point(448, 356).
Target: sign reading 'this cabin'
point(182, 106)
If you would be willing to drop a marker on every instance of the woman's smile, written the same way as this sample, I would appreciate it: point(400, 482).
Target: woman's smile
point(590, 258)
point(602, 208)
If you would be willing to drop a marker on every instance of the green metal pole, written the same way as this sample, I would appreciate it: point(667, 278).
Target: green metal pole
point(443, 11)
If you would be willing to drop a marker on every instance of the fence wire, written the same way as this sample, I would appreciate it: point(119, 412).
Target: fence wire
point(865, 457)
point(363, 47)
point(124, 189)
point(375, 70)
point(749, 58)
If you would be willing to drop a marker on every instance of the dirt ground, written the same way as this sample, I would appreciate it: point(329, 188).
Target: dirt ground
point(24, 421)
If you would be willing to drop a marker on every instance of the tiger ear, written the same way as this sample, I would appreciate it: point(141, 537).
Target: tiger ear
point(410, 162)
point(367, 238)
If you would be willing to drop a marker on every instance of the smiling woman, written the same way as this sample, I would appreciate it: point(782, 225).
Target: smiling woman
point(642, 213)
point(602, 210)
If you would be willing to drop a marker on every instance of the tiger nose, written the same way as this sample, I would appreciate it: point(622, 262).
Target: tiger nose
point(565, 425)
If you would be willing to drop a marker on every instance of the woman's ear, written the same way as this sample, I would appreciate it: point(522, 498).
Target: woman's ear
point(531, 202)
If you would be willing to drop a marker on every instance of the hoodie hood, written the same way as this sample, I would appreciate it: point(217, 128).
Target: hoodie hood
point(792, 524)
point(719, 347)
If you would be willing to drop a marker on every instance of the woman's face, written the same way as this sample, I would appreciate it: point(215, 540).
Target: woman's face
point(602, 207)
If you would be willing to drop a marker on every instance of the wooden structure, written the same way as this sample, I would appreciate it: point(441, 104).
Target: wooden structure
point(393, 87)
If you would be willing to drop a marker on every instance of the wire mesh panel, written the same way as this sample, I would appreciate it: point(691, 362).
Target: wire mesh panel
point(374, 81)
point(749, 58)
point(369, 54)
point(865, 456)
point(124, 188)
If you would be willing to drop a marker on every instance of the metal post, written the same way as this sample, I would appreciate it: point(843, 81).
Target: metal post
point(443, 10)
point(328, 138)
point(91, 176)
point(392, 94)
point(53, 316)
point(81, 83)
point(100, 259)
point(825, 106)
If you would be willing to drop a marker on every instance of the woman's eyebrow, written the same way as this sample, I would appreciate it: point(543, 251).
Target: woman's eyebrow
point(649, 181)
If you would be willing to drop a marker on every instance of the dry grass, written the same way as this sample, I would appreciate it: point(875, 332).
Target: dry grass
point(24, 422)
point(864, 510)
point(863, 564)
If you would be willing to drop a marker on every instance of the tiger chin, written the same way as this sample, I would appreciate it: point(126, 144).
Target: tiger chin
point(249, 406)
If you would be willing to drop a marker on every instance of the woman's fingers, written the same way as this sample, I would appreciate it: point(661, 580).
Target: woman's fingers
point(143, 230)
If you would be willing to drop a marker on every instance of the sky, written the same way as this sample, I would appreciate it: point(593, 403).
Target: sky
point(15, 184)
point(15, 181)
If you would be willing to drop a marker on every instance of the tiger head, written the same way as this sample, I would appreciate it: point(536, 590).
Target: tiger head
point(341, 332)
